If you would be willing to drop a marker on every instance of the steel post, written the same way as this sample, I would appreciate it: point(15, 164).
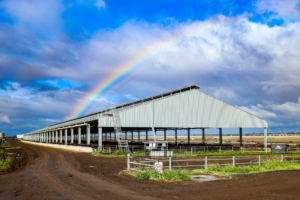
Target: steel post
point(72, 135)
point(220, 136)
point(99, 138)
point(175, 136)
point(265, 140)
point(188, 130)
point(56, 136)
point(205, 162)
point(233, 161)
point(165, 134)
point(79, 135)
point(66, 136)
point(88, 134)
point(170, 163)
point(60, 136)
point(203, 135)
point(139, 136)
point(241, 136)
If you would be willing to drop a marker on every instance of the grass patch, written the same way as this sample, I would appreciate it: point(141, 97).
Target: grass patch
point(6, 164)
point(268, 165)
point(177, 175)
point(117, 153)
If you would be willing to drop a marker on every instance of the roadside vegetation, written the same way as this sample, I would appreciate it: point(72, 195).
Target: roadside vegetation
point(166, 175)
point(214, 169)
point(4, 161)
point(118, 153)
point(268, 165)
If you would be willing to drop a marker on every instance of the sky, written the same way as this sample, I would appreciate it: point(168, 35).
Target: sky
point(54, 52)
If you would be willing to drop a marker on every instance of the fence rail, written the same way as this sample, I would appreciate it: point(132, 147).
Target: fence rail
point(141, 163)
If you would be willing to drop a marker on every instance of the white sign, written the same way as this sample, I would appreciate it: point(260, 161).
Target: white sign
point(278, 147)
point(158, 167)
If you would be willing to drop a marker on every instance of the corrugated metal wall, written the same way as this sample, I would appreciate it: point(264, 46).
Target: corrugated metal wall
point(190, 109)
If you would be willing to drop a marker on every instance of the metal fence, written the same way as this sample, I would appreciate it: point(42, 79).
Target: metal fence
point(189, 162)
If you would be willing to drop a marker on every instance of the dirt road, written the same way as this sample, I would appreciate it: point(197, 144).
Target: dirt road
point(47, 173)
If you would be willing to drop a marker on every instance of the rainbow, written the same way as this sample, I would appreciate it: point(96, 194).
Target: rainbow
point(125, 70)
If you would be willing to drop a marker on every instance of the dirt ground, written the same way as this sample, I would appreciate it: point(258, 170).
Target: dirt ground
point(48, 173)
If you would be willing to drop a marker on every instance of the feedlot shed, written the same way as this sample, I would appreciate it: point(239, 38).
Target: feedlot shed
point(183, 108)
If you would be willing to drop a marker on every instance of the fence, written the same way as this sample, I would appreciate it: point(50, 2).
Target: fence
point(189, 162)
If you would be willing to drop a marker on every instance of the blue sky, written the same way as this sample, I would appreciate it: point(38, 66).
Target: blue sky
point(53, 52)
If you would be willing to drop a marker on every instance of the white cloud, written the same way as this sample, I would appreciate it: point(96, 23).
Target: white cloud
point(283, 8)
point(4, 118)
point(258, 110)
point(289, 108)
point(224, 93)
point(34, 12)
point(100, 4)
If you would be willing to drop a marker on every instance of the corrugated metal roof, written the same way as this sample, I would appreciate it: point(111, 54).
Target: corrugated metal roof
point(138, 101)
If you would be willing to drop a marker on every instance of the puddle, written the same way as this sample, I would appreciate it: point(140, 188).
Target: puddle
point(203, 178)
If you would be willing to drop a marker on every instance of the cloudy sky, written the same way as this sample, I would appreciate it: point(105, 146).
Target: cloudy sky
point(53, 52)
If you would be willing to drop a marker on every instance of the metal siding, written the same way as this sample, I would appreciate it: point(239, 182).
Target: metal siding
point(189, 109)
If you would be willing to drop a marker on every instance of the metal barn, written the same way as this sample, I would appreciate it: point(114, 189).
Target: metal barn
point(184, 108)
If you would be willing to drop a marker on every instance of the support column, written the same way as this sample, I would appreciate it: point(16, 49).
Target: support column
point(66, 136)
point(115, 136)
point(56, 136)
point(220, 136)
point(189, 137)
point(125, 135)
point(241, 136)
point(60, 136)
point(47, 137)
point(79, 135)
point(106, 137)
point(203, 135)
point(146, 135)
point(175, 136)
point(131, 136)
point(99, 138)
point(165, 134)
point(53, 136)
point(265, 139)
point(72, 135)
point(139, 136)
point(88, 134)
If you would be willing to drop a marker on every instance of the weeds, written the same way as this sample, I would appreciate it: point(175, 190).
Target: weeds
point(268, 165)
point(177, 175)
point(117, 153)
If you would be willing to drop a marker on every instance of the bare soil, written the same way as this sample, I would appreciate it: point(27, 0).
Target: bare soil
point(48, 173)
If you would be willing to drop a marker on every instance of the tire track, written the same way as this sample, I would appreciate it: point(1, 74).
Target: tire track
point(64, 166)
point(53, 182)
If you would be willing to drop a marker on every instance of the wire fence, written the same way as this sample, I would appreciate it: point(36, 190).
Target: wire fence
point(190, 162)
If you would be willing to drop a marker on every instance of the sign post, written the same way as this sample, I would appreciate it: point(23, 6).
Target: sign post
point(278, 148)
point(158, 167)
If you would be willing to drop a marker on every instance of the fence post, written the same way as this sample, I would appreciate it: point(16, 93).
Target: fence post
point(170, 163)
point(128, 162)
point(233, 161)
point(191, 150)
point(281, 157)
point(205, 162)
point(259, 160)
point(109, 150)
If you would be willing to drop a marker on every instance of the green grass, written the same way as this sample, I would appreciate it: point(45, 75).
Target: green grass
point(4, 165)
point(177, 175)
point(268, 165)
point(117, 153)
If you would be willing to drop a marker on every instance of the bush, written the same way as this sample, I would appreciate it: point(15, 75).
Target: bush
point(177, 175)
